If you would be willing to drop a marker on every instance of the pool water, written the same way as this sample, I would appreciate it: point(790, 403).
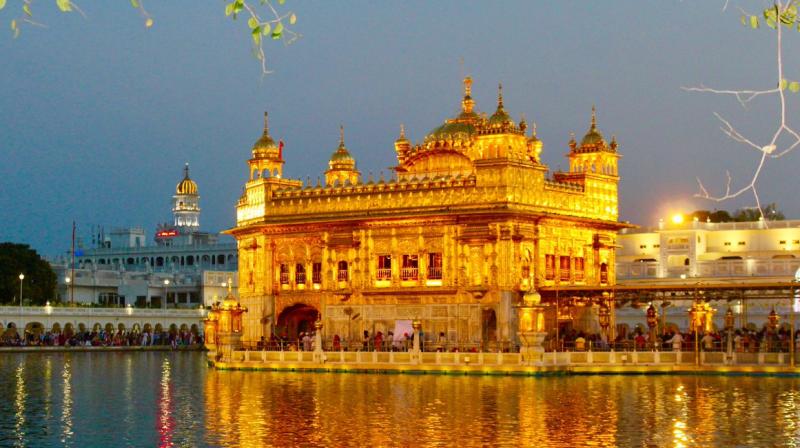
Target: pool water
point(174, 399)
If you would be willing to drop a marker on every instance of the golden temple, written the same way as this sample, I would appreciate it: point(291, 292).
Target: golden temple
point(470, 220)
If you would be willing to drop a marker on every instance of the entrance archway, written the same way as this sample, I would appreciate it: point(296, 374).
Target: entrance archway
point(296, 319)
point(489, 320)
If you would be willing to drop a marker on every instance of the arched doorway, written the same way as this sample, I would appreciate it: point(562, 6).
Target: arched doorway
point(489, 319)
point(296, 319)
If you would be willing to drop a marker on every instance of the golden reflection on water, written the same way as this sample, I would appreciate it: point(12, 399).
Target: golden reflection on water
point(305, 409)
point(19, 403)
point(166, 423)
point(66, 404)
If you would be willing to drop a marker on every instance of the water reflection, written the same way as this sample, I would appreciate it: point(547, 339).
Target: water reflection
point(66, 404)
point(19, 405)
point(173, 399)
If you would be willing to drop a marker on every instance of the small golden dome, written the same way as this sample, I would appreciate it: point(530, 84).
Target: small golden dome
point(186, 186)
point(500, 118)
point(593, 137)
point(342, 156)
point(265, 147)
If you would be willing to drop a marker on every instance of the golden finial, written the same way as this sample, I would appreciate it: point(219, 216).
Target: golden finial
point(402, 131)
point(230, 282)
point(467, 104)
point(534, 129)
point(341, 135)
point(186, 171)
point(266, 124)
point(499, 96)
point(594, 117)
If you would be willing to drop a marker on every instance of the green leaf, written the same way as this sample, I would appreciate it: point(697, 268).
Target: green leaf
point(252, 22)
point(64, 5)
point(292, 19)
point(744, 19)
point(266, 28)
point(228, 9)
point(753, 22)
point(2, 4)
point(784, 84)
point(27, 9)
point(256, 35)
point(276, 33)
point(148, 23)
point(794, 86)
point(13, 24)
point(280, 2)
point(135, 3)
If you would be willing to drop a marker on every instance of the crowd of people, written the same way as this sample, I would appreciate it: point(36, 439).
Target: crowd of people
point(742, 340)
point(101, 338)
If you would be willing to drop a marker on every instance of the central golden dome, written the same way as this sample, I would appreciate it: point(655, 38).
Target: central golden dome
point(186, 186)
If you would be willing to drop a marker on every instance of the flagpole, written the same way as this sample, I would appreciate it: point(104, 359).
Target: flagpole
point(72, 265)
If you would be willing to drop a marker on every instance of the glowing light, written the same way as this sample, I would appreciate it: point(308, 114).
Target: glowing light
point(677, 218)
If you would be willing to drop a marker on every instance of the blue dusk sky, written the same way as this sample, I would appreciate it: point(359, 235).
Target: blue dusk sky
point(98, 115)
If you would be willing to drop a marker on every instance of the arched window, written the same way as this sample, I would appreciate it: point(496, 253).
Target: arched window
point(342, 274)
point(284, 273)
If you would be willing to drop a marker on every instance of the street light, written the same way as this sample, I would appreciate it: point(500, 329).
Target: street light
point(68, 280)
point(166, 292)
point(652, 322)
point(21, 278)
point(730, 321)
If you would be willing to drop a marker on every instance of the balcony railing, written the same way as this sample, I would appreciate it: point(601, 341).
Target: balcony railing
point(579, 276)
point(316, 277)
point(435, 273)
point(564, 275)
point(284, 278)
point(300, 277)
point(384, 274)
point(342, 276)
point(409, 273)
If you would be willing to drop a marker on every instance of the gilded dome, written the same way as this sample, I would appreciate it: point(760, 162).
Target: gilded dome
point(265, 146)
point(500, 118)
point(186, 186)
point(341, 158)
point(452, 129)
point(593, 137)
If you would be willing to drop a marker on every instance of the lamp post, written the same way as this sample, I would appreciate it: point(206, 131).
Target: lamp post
point(604, 317)
point(21, 278)
point(729, 322)
point(792, 336)
point(68, 281)
point(652, 322)
point(696, 320)
point(166, 293)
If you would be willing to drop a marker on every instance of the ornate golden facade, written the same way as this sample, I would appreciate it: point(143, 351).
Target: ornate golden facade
point(468, 223)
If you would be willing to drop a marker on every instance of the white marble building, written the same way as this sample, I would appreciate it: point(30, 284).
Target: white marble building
point(186, 266)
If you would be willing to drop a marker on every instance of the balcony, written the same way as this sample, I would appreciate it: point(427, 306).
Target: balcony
point(300, 278)
point(384, 274)
point(579, 276)
point(316, 277)
point(284, 278)
point(435, 273)
point(407, 274)
point(342, 275)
